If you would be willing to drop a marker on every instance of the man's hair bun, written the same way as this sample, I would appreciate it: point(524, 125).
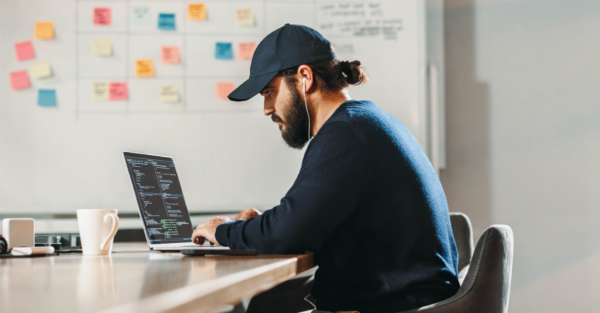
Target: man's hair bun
point(354, 72)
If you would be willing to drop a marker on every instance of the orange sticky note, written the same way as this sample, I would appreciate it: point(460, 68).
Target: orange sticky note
point(246, 50)
point(144, 68)
point(169, 54)
point(19, 80)
point(24, 51)
point(44, 30)
point(102, 16)
point(197, 11)
point(118, 91)
point(224, 89)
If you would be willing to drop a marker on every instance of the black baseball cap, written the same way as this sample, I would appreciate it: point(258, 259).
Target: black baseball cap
point(286, 47)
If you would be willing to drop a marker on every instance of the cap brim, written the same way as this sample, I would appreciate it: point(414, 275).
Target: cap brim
point(251, 87)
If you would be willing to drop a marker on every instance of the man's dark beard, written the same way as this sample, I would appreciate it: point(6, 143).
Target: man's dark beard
point(295, 132)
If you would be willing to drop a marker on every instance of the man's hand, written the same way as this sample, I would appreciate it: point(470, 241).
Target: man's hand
point(247, 214)
point(207, 230)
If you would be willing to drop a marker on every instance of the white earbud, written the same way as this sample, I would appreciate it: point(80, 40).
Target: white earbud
point(306, 105)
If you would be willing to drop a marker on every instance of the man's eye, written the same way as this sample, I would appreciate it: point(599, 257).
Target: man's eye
point(267, 93)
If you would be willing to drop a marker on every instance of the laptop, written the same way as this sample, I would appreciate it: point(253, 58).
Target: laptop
point(165, 217)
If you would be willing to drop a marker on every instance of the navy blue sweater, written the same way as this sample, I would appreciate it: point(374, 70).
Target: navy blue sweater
point(368, 203)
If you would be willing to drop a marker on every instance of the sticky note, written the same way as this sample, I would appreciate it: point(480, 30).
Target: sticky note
point(169, 54)
point(197, 11)
point(102, 16)
point(246, 50)
point(118, 91)
point(47, 97)
point(166, 21)
point(19, 80)
point(140, 15)
point(44, 30)
point(244, 17)
point(144, 68)
point(169, 94)
point(224, 89)
point(24, 50)
point(100, 91)
point(223, 50)
point(102, 47)
point(41, 69)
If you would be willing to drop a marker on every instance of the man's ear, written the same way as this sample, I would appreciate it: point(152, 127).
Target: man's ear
point(306, 78)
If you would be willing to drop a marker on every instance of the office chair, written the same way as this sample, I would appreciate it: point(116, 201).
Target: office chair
point(463, 236)
point(486, 287)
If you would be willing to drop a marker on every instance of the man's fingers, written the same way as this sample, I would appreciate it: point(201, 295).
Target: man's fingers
point(197, 237)
point(206, 230)
point(199, 240)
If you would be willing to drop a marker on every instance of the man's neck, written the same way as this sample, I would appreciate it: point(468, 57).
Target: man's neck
point(323, 105)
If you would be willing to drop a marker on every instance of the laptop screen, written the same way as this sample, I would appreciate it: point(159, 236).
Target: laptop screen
point(160, 198)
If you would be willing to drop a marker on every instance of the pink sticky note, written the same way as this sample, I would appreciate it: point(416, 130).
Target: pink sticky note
point(19, 80)
point(102, 16)
point(246, 50)
point(169, 54)
point(24, 50)
point(118, 91)
point(224, 89)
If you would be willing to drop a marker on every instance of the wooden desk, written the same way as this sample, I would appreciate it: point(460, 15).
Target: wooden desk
point(139, 281)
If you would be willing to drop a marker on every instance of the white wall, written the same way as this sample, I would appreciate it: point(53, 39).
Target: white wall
point(523, 140)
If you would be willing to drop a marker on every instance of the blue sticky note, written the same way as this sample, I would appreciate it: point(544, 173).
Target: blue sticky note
point(47, 97)
point(166, 21)
point(224, 51)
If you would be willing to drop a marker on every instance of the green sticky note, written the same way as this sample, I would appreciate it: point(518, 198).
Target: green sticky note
point(47, 97)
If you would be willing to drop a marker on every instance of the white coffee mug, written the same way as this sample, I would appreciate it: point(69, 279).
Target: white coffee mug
point(96, 230)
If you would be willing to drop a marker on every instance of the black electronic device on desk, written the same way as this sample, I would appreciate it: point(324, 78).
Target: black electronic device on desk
point(216, 251)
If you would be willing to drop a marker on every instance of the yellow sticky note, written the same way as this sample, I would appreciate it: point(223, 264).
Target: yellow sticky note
point(102, 47)
point(44, 30)
point(41, 69)
point(144, 68)
point(169, 94)
point(244, 17)
point(197, 11)
point(100, 91)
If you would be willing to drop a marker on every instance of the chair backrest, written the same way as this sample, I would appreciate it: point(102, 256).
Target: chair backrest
point(463, 236)
point(487, 284)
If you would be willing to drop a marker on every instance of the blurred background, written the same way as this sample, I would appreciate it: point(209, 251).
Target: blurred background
point(523, 140)
point(503, 95)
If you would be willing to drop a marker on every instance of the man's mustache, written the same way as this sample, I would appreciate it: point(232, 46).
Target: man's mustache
point(276, 118)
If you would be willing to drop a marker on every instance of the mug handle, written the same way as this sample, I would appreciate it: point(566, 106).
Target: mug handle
point(113, 231)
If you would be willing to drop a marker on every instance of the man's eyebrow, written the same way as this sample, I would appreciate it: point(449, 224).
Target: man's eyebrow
point(268, 87)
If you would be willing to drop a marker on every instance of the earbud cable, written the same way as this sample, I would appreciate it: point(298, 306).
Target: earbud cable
point(306, 106)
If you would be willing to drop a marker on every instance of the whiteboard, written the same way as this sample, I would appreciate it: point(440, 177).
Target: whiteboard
point(229, 156)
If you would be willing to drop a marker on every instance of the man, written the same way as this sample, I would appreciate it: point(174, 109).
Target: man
point(367, 201)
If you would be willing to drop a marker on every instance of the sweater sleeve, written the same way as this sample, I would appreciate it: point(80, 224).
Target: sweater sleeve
point(326, 192)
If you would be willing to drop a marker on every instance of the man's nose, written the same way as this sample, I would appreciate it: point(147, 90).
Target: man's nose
point(268, 110)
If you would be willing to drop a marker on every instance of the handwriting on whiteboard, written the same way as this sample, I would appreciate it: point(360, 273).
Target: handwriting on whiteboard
point(360, 19)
